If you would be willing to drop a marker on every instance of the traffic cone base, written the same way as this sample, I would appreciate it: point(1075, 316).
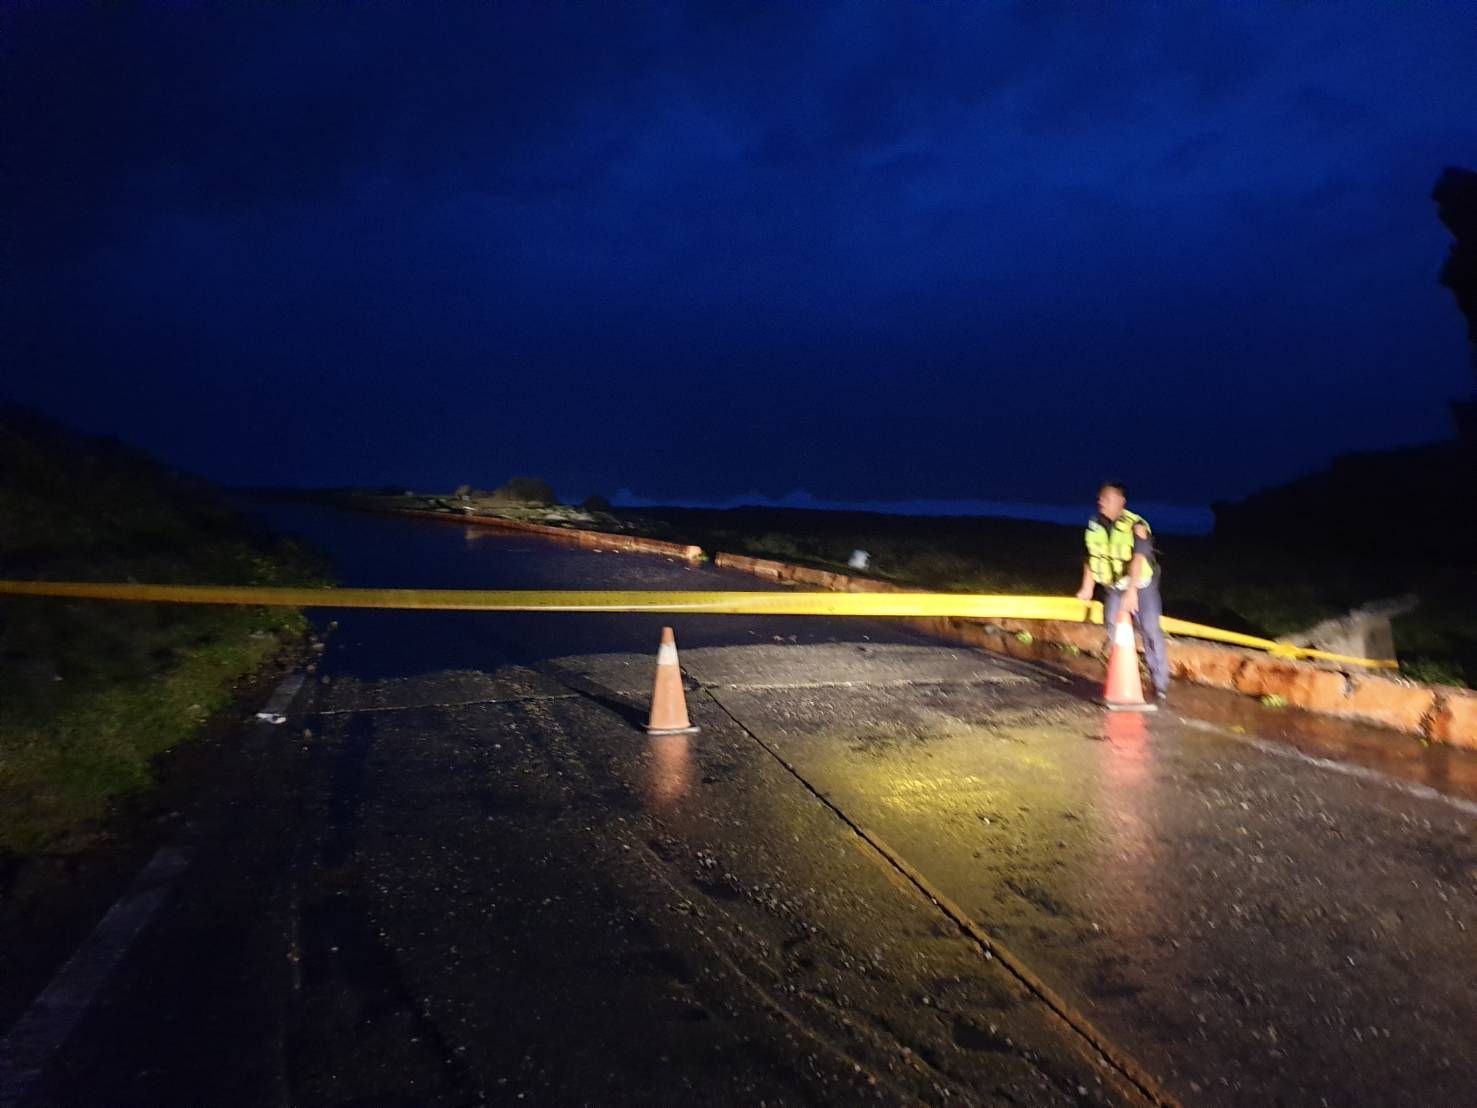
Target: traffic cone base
point(1124, 690)
point(668, 699)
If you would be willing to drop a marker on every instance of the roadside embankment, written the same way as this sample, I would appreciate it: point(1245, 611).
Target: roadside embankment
point(1010, 556)
point(1257, 584)
point(1436, 713)
point(590, 540)
point(92, 692)
point(585, 528)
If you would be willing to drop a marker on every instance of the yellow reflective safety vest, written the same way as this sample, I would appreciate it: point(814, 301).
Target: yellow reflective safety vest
point(1110, 550)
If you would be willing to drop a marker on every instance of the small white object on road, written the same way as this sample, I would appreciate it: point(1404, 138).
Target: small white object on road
point(281, 697)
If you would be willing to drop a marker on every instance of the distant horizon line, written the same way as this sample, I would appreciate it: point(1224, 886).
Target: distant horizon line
point(1168, 517)
point(1176, 518)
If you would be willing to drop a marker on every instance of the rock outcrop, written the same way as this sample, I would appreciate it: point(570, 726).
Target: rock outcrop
point(1422, 496)
point(1364, 633)
point(1456, 204)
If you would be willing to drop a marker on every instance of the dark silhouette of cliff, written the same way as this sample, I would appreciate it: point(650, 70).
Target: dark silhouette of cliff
point(1417, 503)
point(1456, 203)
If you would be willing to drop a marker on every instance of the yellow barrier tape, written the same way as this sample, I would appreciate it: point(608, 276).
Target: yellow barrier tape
point(1174, 626)
point(717, 603)
point(962, 605)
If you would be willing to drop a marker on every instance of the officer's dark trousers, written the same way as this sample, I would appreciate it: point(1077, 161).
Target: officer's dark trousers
point(1146, 623)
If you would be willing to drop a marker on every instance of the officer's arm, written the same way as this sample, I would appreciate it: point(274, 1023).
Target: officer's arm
point(1084, 590)
point(1141, 546)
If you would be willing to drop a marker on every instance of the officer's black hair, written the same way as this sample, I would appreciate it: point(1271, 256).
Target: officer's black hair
point(1119, 485)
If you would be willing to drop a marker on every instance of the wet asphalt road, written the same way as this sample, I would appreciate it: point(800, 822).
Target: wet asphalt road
point(476, 879)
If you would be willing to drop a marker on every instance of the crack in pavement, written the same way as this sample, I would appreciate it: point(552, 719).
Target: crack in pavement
point(1114, 1056)
point(445, 704)
point(899, 683)
point(1095, 1045)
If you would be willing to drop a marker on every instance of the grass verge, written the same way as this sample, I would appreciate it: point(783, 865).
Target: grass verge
point(91, 692)
point(61, 769)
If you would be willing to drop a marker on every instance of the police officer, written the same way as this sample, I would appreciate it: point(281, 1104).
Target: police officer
point(1120, 561)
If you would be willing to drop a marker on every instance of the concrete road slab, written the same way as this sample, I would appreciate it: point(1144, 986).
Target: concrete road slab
point(798, 665)
point(542, 874)
point(1221, 910)
point(783, 665)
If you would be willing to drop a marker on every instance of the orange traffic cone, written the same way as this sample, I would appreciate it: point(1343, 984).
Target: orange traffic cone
point(668, 701)
point(1123, 691)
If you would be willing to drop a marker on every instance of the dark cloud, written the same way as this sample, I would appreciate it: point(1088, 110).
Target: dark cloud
point(1191, 153)
point(1104, 64)
point(1329, 193)
point(844, 242)
point(1335, 113)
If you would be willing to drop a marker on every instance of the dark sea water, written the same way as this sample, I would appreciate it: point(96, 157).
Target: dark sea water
point(1177, 519)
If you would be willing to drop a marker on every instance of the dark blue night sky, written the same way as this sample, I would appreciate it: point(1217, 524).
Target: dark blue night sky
point(873, 250)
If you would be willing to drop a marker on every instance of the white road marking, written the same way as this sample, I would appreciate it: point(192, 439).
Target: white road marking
point(53, 1015)
point(40, 1032)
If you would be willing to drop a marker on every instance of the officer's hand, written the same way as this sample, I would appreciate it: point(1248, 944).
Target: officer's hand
point(1131, 602)
point(1084, 594)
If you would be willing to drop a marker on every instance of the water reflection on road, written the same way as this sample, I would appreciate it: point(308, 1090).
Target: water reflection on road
point(671, 770)
point(1126, 804)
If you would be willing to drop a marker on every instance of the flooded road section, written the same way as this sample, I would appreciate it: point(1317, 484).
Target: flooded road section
point(885, 870)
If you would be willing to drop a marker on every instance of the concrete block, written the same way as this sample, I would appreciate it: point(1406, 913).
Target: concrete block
point(1205, 665)
point(1392, 703)
point(871, 584)
point(973, 633)
point(1442, 714)
point(1455, 718)
point(1086, 637)
point(1302, 685)
point(759, 567)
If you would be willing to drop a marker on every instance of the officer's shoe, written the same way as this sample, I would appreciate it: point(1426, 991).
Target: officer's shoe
point(1161, 696)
